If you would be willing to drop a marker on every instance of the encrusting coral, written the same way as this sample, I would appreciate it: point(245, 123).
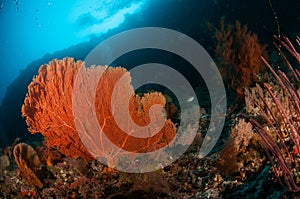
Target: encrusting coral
point(48, 109)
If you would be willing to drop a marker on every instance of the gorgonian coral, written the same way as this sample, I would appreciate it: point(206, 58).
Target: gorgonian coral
point(280, 109)
point(48, 107)
point(28, 163)
point(238, 51)
point(49, 110)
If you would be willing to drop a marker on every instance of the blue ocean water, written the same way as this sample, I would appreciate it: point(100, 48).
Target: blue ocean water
point(31, 29)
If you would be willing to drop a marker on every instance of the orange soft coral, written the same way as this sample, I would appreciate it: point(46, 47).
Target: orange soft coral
point(48, 109)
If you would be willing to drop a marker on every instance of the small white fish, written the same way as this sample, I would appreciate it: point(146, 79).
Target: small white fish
point(190, 99)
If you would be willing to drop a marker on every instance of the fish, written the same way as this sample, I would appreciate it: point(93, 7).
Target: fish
point(190, 99)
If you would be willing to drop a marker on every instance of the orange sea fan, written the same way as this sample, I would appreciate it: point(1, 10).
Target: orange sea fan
point(48, 109)
point(139, 111)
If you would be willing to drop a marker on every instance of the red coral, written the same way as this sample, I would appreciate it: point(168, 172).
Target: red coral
point(48, 109)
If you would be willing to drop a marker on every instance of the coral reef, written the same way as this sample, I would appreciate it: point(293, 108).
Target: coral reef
point(64, 168)
point(188, 177)
point(62, 164)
